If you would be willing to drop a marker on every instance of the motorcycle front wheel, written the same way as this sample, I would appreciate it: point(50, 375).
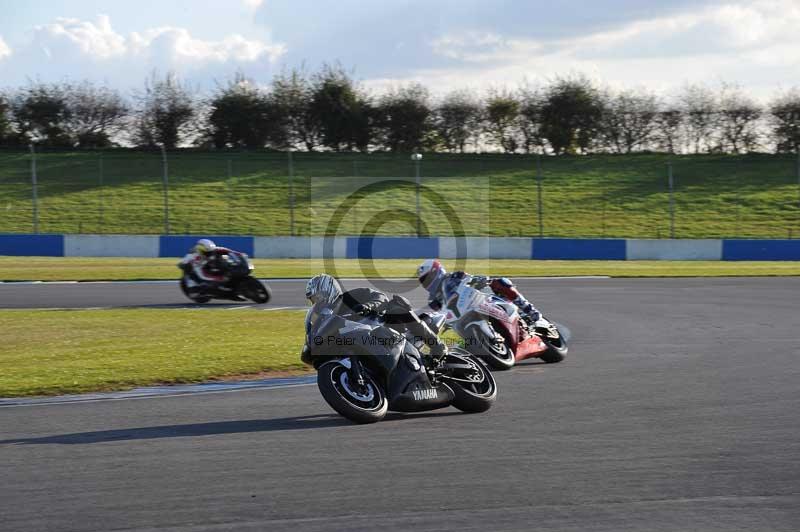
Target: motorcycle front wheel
point(361, 406)
point(255, 290)
point(496, 354)
point(472, 383)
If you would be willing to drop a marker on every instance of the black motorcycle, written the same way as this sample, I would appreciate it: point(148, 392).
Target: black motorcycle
point(238, 283)
point(367, 367)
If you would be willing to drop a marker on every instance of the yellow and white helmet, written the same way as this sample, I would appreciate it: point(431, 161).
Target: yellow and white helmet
point(204, 246)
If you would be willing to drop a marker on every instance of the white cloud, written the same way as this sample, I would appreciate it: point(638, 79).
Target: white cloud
point(178, 45)
point(98, 41)
point(5, 51)
point(73, 48)
point(95, 40)
point(755, 44)
point(252, 4)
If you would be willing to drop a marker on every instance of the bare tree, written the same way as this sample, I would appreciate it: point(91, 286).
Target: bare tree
point(243, 115)
point(530, 118)
point(629, 120)
point(405, 118)
point(784, 121)
point(699, 107)
point(292, 90)
point(96, 114)
point(341, 108)
point(41, 114)
point(457, 120)
point(668, 128)
point(165, 113)
point(738, 120)
point(7, 134)
point(502, 119)
point(571, 115)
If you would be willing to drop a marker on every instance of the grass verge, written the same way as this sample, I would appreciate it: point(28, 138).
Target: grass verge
point(120, 269)
point(120, 191)
point(56, 352)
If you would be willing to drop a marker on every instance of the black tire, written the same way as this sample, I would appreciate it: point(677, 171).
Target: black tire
point(474, 397)
point(332, 383)
point(194, 297)
point(255, 290)
point(497, 356)
point(556, 349)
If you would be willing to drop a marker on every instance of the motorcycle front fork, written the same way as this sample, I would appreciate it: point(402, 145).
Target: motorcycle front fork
point(356, 375)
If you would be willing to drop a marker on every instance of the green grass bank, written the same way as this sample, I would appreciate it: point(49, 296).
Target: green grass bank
point(121, 191)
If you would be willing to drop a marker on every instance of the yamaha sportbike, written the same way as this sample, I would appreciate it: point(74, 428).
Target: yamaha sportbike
point(494, 330)
point(366, 367)
point(238, 283)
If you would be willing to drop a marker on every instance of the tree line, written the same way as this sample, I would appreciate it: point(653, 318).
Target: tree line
point(328, 110)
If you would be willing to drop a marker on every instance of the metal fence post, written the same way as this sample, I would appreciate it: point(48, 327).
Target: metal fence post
point(229, 193)
point(357, 230)
point(797, 172)
point(100, 191)
point(34, 190)
point(417, 157)
point(165, 168)
point(291, 193)
point(671, 200)
point(539, 194)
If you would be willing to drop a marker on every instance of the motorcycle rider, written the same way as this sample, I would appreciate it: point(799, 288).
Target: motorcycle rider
point(435, 279)
point(368, 303)
point(206, 267)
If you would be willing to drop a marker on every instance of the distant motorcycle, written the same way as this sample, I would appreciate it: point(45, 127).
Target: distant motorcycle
point(237, 285)
point(365, 368)
point(494, 330)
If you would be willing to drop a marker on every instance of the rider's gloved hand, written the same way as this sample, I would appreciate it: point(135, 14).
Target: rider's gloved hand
point(439, 349)
point(305, 355)
point(479, 281)
point(366, 309)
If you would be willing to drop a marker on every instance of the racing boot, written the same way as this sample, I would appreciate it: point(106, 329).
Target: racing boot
point(503, 287)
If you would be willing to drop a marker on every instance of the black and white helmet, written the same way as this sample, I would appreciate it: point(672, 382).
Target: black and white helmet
point(323, 287)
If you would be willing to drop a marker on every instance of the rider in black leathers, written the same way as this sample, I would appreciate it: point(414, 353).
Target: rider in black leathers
point(367, 303)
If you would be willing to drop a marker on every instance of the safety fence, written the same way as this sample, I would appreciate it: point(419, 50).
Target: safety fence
point(296, 194)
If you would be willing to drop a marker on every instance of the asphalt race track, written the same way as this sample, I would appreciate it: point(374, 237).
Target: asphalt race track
point(677, 409)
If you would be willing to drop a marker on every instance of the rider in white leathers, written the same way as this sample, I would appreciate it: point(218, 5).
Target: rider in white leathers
point(435, 279)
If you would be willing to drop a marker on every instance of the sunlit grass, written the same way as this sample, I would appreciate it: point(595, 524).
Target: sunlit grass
point(95, 269)
point(52, 352)
point(592, 196)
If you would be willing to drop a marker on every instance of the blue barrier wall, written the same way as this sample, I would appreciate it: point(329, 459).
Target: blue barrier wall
point(761, 250)
point(404, 247)
point(32, 245)
point(178, 246)
point(392, 248)
point(577, 249)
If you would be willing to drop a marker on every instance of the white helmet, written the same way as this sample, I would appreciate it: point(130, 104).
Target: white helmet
point(204, 246)
point(430, 271)
point(323, 287)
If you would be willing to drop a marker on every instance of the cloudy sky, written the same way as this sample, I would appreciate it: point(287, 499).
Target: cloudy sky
point(445, 44)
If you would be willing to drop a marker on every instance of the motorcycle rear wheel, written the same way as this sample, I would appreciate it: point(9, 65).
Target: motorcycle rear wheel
point(333, 383)
point(557, 348)
point(193, 296)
